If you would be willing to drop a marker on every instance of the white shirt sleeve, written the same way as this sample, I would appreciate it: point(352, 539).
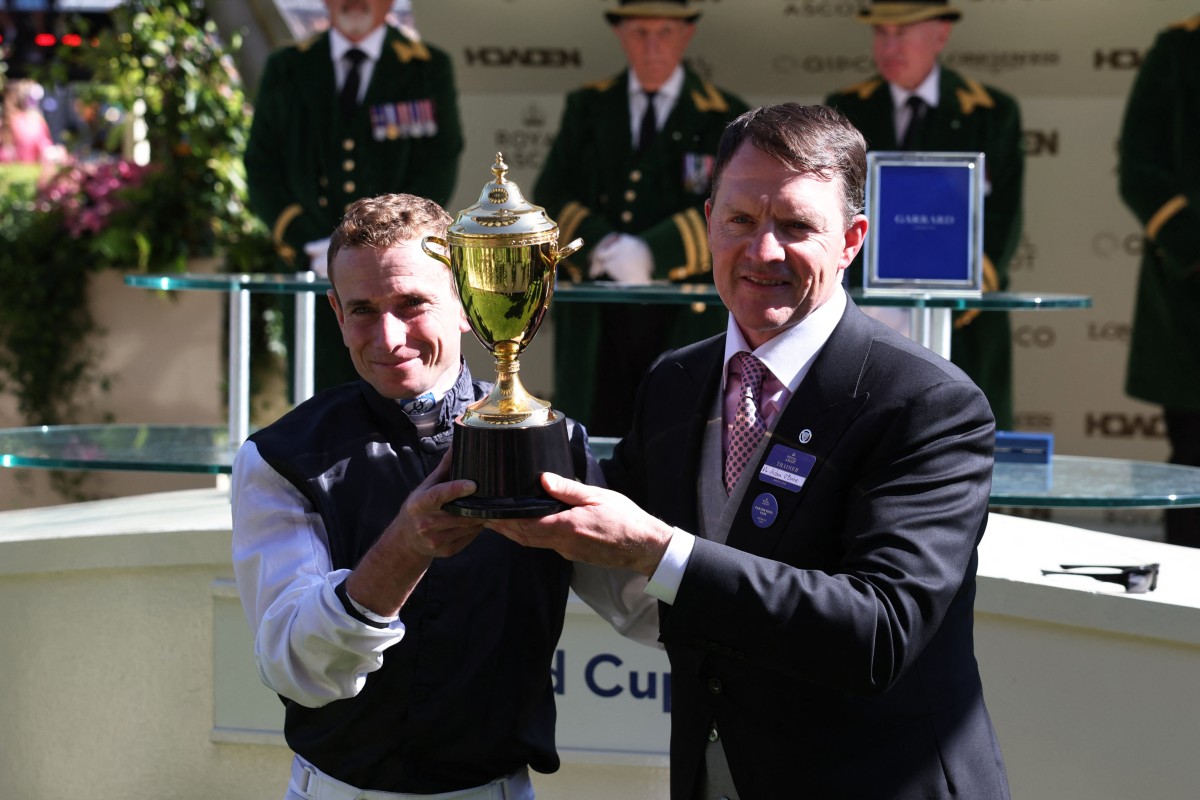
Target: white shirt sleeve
point(307, 647)
point(629, 601)
point(619, 596)
point(664, 583)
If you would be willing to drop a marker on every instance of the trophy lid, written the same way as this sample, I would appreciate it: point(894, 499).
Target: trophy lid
point(502, 211)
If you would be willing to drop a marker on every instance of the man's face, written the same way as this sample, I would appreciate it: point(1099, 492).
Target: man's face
point(399, 317)
point(654, 47)
point(354, 19)
point(779, 242)
point(905, 54)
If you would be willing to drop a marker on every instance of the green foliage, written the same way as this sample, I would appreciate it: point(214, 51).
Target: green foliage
point(163, 65)
point(44, 322)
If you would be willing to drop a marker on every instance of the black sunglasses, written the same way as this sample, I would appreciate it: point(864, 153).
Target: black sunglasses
point(1136, 580)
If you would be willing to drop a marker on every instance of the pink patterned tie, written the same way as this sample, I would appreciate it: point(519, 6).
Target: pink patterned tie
point(748, 425)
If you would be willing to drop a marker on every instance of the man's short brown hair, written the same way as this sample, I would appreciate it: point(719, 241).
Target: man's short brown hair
point(380, 222)
point(808, 140)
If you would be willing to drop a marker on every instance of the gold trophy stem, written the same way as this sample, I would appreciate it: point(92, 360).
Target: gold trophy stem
point(508, 404)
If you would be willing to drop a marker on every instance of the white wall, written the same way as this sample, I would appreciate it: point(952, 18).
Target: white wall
point(127, 669)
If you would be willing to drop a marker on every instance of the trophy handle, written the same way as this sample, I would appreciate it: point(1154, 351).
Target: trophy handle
point(567, 250)
point(432, 254)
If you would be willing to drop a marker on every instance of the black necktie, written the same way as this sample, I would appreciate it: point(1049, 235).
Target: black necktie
point(649, 127)
point(916, 119)
point(349, 97)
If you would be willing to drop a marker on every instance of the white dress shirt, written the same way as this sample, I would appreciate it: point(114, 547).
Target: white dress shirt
point(664, 101)
point(372, 46)
point(928, 90)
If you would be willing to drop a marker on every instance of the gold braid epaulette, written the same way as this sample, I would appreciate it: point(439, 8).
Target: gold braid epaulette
point(1190, 24)
point(412, 51)
point(693, 235)
point(285, 250)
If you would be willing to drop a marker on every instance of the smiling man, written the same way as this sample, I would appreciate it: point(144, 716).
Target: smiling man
point(807, 491)
point(410, 647)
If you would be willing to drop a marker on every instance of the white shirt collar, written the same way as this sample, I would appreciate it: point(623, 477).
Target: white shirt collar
point(667, 94)
point(790, 354)
point(927, 90)
point(372, 45)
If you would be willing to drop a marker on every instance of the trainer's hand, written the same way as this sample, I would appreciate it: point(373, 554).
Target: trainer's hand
point(603, 527)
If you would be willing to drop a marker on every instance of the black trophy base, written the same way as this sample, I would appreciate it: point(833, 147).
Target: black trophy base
point(506, 465)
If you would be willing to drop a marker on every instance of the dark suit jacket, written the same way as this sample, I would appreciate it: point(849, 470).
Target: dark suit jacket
point(833, 649)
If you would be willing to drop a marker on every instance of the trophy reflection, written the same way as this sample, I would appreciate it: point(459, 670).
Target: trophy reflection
point(503, 252)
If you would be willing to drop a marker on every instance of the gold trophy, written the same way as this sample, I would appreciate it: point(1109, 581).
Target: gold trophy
point(503, 252)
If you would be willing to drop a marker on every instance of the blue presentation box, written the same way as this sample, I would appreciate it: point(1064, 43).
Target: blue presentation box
point(1024, 448)
point(926, 223)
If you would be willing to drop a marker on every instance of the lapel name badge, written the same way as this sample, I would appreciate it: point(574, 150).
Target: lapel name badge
point(787, 467)
point(765, 510)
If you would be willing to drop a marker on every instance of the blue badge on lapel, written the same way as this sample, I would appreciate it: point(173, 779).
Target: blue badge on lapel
point(765, 510)
point(787, 467)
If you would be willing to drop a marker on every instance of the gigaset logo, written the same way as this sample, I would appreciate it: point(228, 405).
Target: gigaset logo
point(545, 57)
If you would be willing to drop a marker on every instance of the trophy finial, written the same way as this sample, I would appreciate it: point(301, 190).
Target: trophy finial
point(500, 169)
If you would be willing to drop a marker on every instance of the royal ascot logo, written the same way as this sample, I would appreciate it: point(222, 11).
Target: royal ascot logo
point(997, 61)
point(1025, 259)
point(1037, 336)
point(1040, 143)
point(1034, 421)
point(1120, 58)
point(1119, 425)
point(820, 9)
point(526, 147)
point(535, 57)
point(1109, 332)
point(791, 64)
point(1107, 244)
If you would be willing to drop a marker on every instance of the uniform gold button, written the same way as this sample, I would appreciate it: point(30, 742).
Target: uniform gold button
point(347, 144)
point(626, 216)
point(322, 202)
point(348, 187)
point(323, 181)
point(630, 195)
point(635, 176)
point(348, 165)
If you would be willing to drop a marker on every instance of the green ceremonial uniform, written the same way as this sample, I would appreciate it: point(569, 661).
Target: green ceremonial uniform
point(305, 164)
point(969, 117)
point(1160, 182)
point(593, 183)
